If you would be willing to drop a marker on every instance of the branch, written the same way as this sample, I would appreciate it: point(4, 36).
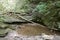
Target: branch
point(28, 20)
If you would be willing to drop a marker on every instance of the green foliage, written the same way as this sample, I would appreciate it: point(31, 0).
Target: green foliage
point(48, 14)
point(2, 18)
point(57, 4)
point(1, 7)
point(42, 7)
point(21, 6)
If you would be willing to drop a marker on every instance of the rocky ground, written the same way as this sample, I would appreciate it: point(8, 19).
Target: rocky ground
point(14, 36)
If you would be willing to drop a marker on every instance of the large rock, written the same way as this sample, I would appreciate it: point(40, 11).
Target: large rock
point(3, 32)
point(13, 18)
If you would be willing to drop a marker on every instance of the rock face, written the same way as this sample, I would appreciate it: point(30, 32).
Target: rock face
point(3, 29)
point(3, 32)
point(13, 17)
point(14, 36)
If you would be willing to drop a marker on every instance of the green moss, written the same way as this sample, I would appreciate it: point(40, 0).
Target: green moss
point(3, 32)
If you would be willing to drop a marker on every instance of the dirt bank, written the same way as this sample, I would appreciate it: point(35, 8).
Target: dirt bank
point(33, 29)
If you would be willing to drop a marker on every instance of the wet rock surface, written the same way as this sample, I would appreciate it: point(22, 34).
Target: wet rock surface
point(12, 35)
